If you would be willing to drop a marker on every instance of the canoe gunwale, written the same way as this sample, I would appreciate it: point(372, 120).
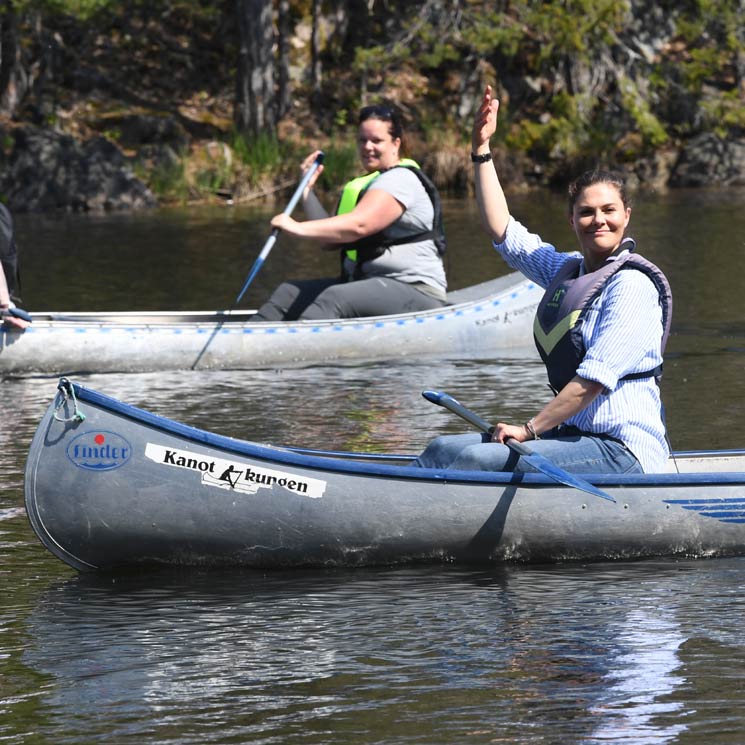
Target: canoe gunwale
point(371, 465)
point(485, 292)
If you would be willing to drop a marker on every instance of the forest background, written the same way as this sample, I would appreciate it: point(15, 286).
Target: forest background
point(127, 103)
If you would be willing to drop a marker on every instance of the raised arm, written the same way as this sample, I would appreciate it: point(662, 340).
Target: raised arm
point(312, 206)
point(489, 194)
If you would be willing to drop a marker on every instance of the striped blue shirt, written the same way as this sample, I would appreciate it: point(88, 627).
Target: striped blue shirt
point(622, 333)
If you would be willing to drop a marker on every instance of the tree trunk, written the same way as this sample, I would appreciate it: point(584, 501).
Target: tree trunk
point(13, 82)
point(284, 97)
point(315, 53)
point(255, 101)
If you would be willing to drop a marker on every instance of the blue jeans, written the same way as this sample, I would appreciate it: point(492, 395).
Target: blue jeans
point(566, 447)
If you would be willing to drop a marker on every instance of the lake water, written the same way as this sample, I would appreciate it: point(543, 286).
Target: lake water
point(643, 652)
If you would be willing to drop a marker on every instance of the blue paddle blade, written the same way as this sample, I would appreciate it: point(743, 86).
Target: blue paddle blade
point(549, 468)
point(538, 461)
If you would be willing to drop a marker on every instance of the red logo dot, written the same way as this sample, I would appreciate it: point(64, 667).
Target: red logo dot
point(100, 439)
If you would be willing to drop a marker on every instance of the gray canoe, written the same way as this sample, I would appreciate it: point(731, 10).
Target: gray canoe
point(109, 485)
point(490, 318)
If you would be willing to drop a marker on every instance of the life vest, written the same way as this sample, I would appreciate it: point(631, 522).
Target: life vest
point(373, 246)
point(557, 329)
point(9, 254)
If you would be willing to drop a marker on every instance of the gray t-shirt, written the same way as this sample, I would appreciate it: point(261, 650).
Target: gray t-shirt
point(408, 262)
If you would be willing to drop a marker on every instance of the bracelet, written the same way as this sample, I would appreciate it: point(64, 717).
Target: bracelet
point(531, 429)
point(483, 158)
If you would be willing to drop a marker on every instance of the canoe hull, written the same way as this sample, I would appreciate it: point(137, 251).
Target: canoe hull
point(127, 488)
point(493, 318)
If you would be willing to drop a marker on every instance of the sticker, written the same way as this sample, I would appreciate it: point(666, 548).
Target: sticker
point(99, 450)
point(240, 477)
point(724, 509)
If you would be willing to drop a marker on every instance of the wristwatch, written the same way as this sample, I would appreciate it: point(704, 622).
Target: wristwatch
point(475, 158)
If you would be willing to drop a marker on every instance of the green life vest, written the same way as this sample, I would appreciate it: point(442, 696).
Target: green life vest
point(374, 245)
point(353, 189)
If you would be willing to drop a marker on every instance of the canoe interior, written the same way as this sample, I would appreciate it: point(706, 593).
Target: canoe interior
point(143, 318)
point(470, 294)
point(683, 467)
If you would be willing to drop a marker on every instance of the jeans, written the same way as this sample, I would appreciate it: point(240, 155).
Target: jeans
point(314, 299)
point(566, 447)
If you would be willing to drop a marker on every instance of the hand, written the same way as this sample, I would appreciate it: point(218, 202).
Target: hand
point(283, 222)
point(504, 432)
point(485, 121)
point(305, 166)
point(14, 322)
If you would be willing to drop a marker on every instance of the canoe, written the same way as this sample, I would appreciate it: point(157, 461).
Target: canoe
point(489, 318)
point(109, 485)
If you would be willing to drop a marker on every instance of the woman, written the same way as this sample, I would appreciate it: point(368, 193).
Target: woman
point(388, 226)
point(600, 328)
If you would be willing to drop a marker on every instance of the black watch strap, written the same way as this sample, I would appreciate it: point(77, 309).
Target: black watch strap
point(480, 158)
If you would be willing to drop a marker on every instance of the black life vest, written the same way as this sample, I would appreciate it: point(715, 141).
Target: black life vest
point(557, 329)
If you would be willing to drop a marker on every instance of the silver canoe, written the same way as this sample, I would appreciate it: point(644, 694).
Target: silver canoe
point(491, 318)
point(109, 485)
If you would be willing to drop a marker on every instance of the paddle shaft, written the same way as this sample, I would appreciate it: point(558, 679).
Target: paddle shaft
point(18, 313)
point(538, 461)
point(272, 239)
point(458, 408)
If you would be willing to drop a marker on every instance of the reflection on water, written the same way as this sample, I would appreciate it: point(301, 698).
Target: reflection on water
point(643, 676)
point(627, 653)
point(424, 655)
point(372, 407)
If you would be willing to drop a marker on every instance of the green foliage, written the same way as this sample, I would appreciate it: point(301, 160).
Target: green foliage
point(712, 41)
point(166, 180)
point(82, 9)
point(560, 133)
point(340, 164)
point(574, 27)
point(216, 172)
point(650, 127)
point(725, 112)
point(85, 10)
point(260, 154)
point(574, 78)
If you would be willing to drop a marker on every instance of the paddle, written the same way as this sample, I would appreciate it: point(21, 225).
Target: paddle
point(275, 232)
point(538, 461)
point(18, 313)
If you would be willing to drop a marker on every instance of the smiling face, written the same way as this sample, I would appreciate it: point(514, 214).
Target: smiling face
point(599, 218)
point(378, 149)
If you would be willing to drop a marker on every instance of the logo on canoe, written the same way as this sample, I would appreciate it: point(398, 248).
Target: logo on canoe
point(239, 477)
point(99, 451)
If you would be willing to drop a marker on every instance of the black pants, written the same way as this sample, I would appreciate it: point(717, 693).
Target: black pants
point(314, 299)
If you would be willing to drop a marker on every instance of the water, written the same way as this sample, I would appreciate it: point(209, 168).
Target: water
point(646, 652)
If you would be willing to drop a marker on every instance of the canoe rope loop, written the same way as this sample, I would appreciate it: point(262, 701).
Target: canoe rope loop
point(67, 390)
